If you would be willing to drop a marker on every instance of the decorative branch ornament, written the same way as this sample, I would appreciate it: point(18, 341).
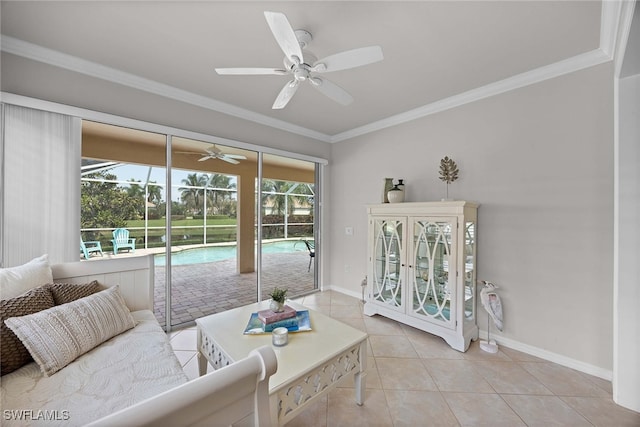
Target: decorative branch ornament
point(448, 171)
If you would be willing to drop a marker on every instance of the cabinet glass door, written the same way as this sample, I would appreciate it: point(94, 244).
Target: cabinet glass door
point(387, 267)
point(434, 277)
point(470, 271)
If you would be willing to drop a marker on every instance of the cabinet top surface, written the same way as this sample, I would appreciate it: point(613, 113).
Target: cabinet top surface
point(423, 205)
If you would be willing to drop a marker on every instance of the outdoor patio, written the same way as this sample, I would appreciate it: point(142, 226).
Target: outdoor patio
point(211, 287)
point(207, 288)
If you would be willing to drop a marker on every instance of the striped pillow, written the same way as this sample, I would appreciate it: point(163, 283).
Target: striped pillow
point(57, 336)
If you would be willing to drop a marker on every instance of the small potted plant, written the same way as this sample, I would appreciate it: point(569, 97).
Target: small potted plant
point(278, 296)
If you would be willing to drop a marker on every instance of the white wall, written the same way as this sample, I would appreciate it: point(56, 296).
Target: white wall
point(539, 160)
point(626, 381)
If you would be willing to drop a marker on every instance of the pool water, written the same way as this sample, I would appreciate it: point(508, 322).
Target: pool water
point(219, 253)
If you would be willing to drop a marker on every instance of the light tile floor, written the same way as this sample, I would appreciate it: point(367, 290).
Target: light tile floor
point(416, 379)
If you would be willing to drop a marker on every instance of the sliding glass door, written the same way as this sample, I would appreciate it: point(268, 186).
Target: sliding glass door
point(195, 206)
point(122, 181)
point(212, 229)
point(288, 226)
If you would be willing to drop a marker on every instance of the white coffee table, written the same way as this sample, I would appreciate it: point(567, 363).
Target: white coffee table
point(309, 366)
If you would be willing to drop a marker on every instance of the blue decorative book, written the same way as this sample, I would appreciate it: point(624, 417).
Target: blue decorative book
point(300, 323)
point(285, 323)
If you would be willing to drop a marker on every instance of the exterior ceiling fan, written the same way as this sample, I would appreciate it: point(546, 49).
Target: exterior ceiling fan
point(303, 66)
point(216, 153)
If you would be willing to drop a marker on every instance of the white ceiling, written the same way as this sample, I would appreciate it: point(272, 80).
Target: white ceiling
point(437, 53)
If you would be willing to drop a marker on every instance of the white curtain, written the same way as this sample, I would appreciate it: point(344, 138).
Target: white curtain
point(40, 186)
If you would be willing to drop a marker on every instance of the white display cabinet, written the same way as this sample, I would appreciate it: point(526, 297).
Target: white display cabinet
point(422, 267)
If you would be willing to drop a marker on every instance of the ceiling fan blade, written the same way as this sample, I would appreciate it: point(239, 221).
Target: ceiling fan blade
point(285, 94)
point(284, 35)
point(331, 90)
point(349, 59)
point(235, 156)
point(202, 159)
point(250, 71)
point(228, 160)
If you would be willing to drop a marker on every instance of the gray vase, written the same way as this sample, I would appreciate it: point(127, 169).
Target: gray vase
point(388, 185)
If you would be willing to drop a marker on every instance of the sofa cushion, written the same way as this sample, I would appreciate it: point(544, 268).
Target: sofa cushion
point(127, 369)
point(57, 336)
point(13, 353)
point(15, 281)
point(69, 292)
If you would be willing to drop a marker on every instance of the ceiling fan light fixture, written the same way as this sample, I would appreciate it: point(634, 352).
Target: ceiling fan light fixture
point(301, 73)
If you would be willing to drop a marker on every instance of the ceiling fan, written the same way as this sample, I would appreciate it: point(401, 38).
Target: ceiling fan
point(303, 65)
point(216, 153)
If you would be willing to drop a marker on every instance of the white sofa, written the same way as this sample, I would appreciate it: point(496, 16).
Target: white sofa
point(134, 379)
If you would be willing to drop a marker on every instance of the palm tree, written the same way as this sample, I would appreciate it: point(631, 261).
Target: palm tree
point(134, 189)
point(192, 194)
point(300, 197)
point(154, 193)
point(136, 193)
point(274, 193)
point(218, 184)
point(277, 192)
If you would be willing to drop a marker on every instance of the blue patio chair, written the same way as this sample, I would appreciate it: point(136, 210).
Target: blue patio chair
point(87, 248)
point(121, 240)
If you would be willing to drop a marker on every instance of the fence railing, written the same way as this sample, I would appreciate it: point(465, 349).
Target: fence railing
point(154, 236)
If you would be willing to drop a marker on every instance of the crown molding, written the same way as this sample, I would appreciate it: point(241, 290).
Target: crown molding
point(623, 31)
point(537, 75)
point(609, 20)
point(613, 12)
point(62, 60)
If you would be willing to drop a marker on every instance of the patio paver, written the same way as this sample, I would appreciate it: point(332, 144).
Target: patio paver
point(207, 288)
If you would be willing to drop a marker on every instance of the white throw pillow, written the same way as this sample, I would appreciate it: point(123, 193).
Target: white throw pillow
point(57, 336)
point(15, 281)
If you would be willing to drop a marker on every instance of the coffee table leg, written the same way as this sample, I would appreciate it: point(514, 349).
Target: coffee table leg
point(274, 403)
point(202, 360)
point(360, 376)
point(202, 364)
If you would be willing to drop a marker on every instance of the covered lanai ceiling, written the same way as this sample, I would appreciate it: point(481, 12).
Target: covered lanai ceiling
point(437, 54)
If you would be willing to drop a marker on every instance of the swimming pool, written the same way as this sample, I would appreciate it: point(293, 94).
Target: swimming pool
point(219, 253)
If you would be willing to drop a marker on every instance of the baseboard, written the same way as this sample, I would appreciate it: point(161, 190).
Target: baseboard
point(344, 291)
point(578, 365)
point(519, 346)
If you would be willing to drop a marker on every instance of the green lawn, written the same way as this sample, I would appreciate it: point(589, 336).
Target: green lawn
point(181, 222)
